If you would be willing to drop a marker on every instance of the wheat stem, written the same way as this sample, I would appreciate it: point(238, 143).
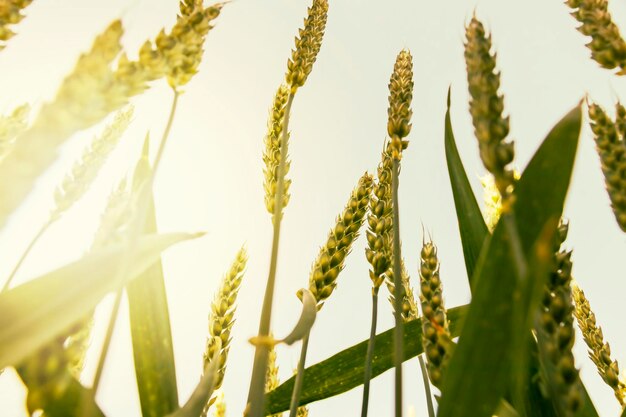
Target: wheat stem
point(429, 396)
point(30, 246)
point(297, 386)
point(256, 392)
point(370, 354)
point(397, 278)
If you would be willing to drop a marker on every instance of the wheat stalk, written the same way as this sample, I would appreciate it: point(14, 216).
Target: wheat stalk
point(607, 46)
point(10, 14)
point(599, 350)
point(221, 318)
point(486, 107)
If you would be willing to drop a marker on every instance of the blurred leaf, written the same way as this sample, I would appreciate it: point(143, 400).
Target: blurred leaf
point(33, 313)
point(486, 342)
point(344, 371)
point(471, 223)
point(306, 320)
point(150, 321)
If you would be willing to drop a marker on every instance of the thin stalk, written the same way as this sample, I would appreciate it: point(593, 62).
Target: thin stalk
point(429, 396)
point(131, 248)
point(397, 280)
point(30, 246)
point(297, 386)
point(256, 393)
point(370, 354)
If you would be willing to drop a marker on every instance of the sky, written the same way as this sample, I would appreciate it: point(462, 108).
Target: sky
point(211, 175)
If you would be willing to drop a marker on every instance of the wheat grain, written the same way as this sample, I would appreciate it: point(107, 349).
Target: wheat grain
point(271, 155)
point(436, 337)
point(607, 46)
point(612, 152)
point(486, 107)
point(10, 14)
point(308, 44)
point(332, 255)
point(599, 350)
point(400, 96)
point(221, 318)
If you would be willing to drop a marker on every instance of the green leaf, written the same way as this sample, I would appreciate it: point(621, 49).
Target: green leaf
point(35, 312)
point(471, 223)
point(344, 370)
point(150, 322)
point(486, 342)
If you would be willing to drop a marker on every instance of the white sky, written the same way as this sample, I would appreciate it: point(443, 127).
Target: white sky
point(211, 176)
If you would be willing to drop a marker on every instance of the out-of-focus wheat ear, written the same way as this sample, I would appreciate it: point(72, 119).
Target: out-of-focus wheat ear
point(599, 349)
point(84, 171)
point(221, 318)
point(493, 200)
point(486, 107)
point(10, 14)
point(220, 405)
point(272, 381)
point(272, 152)
point(331, 258)
point(11, 126)
point(308, 44)
point(612, 152)
point(115, 217)
point(607, 46)
point(76, 347)
point(557, 320)
point(400, 97)
point(436, 336)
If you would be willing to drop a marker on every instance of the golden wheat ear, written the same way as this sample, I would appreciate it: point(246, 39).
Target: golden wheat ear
point(607, 45)
point(10, 14)
point(612, 152)
point(599, 349)
point(486, 107)
point(221, 318)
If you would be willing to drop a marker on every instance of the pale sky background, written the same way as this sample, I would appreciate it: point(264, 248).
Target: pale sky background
point(211, 176)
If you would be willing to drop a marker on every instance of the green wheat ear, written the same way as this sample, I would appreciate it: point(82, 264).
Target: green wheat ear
point(607, 45)
point(599, 350)
point(436, 336)
point(486, 107)
point(612, 152)
point(400, 96)
point(331, 258)
point(308, 44)
point(557, 321)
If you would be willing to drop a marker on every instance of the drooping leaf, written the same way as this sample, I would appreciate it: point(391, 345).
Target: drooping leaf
point(471, 223)
point(306, 319)
point(150, 321)
point(344, 370)
point(485, 345)
point(33, 313)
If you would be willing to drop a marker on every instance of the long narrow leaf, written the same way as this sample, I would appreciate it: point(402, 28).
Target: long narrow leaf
point(485, 345)
point(344, 371)
point(33, 313)
point(471, 223)
point(150, 324)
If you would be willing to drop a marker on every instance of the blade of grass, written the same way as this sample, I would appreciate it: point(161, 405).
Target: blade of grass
point(485, 344)
point(33, 313)
point(344, 370)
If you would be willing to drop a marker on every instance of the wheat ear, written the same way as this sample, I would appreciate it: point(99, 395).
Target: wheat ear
point(10, 14)
point(599, 349)
point(11, 126)
point(612, 152)
point(607, 46)
point(486, 106)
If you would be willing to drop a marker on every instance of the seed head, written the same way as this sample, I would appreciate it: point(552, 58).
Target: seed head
point(400, 96)
point(308, 44)
point(486, 107)
point(332, 255)
point(10, 14)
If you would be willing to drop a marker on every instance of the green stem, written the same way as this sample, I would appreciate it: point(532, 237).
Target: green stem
point(297, 386)
point(256, 393)
point(137, 224)
point(429, 396)
point(30, 246)
point(370, 354)
point(397, 280)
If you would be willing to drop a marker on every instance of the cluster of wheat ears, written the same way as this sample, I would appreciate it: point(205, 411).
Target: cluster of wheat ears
point(519, 362)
